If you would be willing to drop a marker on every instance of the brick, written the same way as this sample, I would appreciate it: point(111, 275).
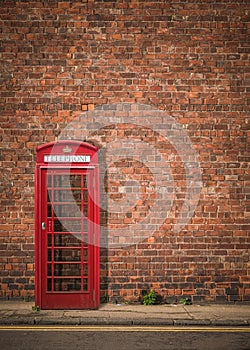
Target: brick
point(8, 267)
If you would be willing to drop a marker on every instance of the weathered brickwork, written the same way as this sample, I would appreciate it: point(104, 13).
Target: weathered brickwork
point(59, 59)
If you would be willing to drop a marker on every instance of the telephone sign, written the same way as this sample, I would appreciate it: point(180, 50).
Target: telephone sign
point(67, 226)
point(62, 158)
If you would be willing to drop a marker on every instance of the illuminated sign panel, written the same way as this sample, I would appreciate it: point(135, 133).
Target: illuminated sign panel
point(63, 158)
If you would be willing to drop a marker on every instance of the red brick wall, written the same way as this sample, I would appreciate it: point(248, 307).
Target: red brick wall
point(188, 58)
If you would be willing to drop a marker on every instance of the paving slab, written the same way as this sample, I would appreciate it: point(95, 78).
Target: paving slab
point(219, 312)
point(18, 312)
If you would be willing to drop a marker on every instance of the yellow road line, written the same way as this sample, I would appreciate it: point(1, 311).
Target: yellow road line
point(125, 329)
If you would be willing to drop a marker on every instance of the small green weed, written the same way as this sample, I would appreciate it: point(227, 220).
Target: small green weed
point(185, 301)
point(150, 298)
point(35, 308)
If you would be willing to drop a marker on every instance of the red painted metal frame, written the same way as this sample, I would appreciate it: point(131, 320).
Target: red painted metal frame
point(76, 299)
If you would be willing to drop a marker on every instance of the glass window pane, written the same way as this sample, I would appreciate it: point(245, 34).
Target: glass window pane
point(85, 239)
point(69, 240)
point(67, 269)
point(49, 196)
point(67, 255)
point(85, 270)
point(85, 284)
point(67, 196)
point(49, 210)
point(85, 181)
point(49, 240)
point(67, 284)
point(67, 225)
point(49, 255)
point(85, 255)
point(85, 196)
point(49, 270)
point(75, 181)
point(85, 224)
point(67, 181)
point(49, 177)
point(49, 285)
point(68, 210)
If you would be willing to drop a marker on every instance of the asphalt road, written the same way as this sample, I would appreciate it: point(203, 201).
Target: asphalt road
point(123, 338)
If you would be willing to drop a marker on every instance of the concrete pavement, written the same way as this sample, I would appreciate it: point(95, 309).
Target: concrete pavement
point(21, 313)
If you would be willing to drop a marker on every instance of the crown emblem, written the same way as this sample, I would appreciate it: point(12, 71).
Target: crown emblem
point(67, 149)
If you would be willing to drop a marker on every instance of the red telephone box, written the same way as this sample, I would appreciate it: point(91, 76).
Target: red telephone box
point(67, 226)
